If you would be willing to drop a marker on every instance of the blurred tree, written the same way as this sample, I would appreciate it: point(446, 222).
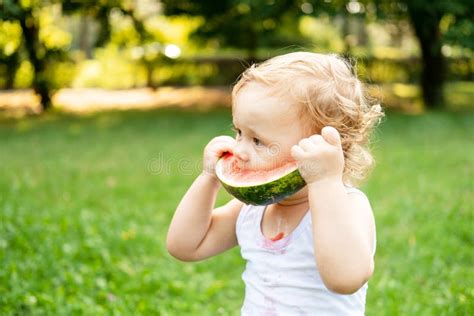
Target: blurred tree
point(151, 46)
point(84, 33)
point(39, 48)
point(241, 24)
point(250, 24)
point(9, 50)
point(101, 11)
point(97, 10)
point(144, 40)
point(435, 23)
point(43, 46)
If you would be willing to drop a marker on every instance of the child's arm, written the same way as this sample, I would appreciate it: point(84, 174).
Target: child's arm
point(343, 224)
point(197, 231)
point(343, 230)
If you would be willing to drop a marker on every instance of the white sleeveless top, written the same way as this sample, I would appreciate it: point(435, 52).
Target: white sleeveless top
point(281, 278)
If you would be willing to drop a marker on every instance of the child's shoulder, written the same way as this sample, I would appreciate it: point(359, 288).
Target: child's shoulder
point(351, 189)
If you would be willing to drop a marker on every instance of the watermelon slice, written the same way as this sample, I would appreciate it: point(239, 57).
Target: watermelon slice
point(259, 187)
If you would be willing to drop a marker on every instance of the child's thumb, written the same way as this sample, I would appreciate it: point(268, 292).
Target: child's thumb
point(331, 135)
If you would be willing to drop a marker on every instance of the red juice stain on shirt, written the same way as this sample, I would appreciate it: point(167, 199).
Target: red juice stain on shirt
point(278, 236)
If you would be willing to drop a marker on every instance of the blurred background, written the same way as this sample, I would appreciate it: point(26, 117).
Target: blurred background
point(411, 53)
point(105, 107)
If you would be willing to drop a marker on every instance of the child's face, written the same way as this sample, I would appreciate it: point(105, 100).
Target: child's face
point(267, 126)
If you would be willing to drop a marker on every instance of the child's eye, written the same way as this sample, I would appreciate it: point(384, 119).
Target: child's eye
point(237, 131)
point(257, 142)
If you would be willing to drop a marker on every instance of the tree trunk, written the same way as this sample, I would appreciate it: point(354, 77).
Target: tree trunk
point(346, 35)
point(149, 74)
point(84, 36)
point(41, 87)
point(252, 45)
point(433, 74)
point(29, 28)
point(104, 32)
point(362, 36)
point(12, 62)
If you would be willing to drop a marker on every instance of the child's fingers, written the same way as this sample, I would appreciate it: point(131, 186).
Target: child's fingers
point(317, 139)
point(331, 135)
point(307, 145)
point(221, 147)
point(222, 150)
point(297, 152)
point(225, 139)
point(222, 141)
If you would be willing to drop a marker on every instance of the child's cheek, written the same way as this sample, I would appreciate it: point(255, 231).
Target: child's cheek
point(282, 155)
point(259, 160)
point(272, 158)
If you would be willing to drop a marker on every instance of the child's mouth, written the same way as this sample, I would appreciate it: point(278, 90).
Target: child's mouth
point(239, 165)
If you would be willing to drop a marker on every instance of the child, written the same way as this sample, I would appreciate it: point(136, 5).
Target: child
point(312, 253)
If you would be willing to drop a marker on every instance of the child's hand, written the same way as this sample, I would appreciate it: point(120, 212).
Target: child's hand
point(214, 150)
point(320, 157)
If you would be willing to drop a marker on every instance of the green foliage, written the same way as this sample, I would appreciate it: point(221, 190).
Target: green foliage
point(431, 22)
point(460, 31)
point(10, 38)
point(38, 44)
point(253, 24)
point(83, 224)
point(108, 70)
point(324, 35)
point(456, 22)
point(111, 70)
point(41, 42)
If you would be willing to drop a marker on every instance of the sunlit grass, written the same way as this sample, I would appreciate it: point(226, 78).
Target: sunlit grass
point(85, 203)
point(401, 97)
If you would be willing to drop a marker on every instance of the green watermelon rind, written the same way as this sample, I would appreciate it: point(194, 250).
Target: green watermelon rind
point(270, 192)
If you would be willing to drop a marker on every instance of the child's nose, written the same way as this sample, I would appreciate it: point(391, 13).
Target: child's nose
point(241, 153)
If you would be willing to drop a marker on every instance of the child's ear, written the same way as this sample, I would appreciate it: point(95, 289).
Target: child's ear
point(331, 135)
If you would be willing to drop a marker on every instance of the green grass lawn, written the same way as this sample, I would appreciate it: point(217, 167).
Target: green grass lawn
point(85, 203)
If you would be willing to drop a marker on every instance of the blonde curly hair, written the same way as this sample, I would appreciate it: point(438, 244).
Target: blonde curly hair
point(328, 92)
